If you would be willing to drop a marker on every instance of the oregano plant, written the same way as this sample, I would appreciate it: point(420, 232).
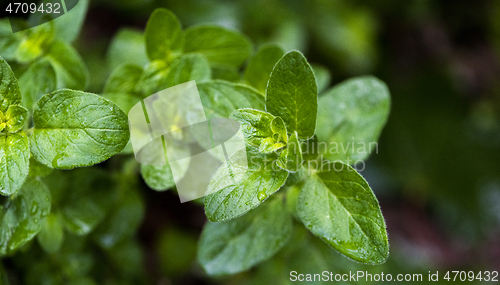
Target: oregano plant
point(290, 176)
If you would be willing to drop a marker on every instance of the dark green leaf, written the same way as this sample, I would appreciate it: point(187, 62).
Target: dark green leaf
point(260, 66)
point(237, 245)
point(123, 79)
point(22, 215)
point(14, 162)
point(351, 117)
point(9, 42)
point(242, 183)
point(227, 73)
point(337, 205)
point(51, 235)
point(123, 220)
point(74, 128)
point(292, 94)
point(220, 98)
point(164, 37)
point(221, 46)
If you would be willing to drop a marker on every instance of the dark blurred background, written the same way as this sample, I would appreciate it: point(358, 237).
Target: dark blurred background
point(437, 171)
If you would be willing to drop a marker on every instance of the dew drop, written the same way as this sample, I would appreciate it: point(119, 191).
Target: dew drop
point(261, 196)
point(34, 208)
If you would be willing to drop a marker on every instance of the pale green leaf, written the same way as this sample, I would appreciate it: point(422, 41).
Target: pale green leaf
point(255, 125)
point(68, 27)
point(291, 157)
point(39, 79)
point(351, 117)
point(71, 71)
point(158, 177)
point(51, 235)
point(164, 36)
point(22, 215)
point(237, 245)
point(337, 205)
point(220, 98)
point(242, 183)
point(9, 89)
point(292, 94)
point(127, 47)
point(261, 64)
point(270, 145)
point(15, 117)
point(74, 129)
point(14, 162)
point(123, 79)
point(278, 127)
point(221, 46)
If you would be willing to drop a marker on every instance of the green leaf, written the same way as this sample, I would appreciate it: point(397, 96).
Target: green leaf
point(15, 117)
point(310, 149)
point(9, 89)
point(68, 27)
point(38, 80)
point(227, 73)
point(220, 98)
point(254, 124)
point(154, 78)
point(124, 100)
point(270, 145)
point(14, 162)
point(9, 42)
point(123, 79)
point(278, 127)
point(359, 109)
point(164, 37)
point(35, 42)
point(22, 216)
point(158, 177)
point(158, 75)
point(237, 245)
point(127, 47)
point(323, 76)
point(337, 205)
point(122, 221)
point(51, 235)
point(71, 71)
point(242, 183)
point(221, 46)
point(291, 157)
point(74, 129)
point(261, 64)
point(188, 67)
point(83, 215)
point(292, 94)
